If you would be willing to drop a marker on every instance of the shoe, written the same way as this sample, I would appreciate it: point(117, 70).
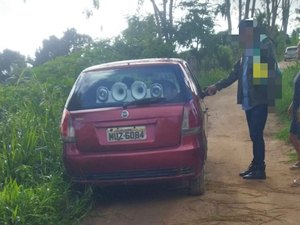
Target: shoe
point(258, 172)
point(250, 169)
point(295, 166)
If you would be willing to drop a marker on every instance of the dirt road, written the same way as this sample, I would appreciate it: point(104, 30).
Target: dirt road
point(229, 199)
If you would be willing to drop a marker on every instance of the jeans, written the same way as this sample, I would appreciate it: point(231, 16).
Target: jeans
point(256, 119)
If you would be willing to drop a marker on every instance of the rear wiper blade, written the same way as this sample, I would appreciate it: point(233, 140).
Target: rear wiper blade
point(144, 101)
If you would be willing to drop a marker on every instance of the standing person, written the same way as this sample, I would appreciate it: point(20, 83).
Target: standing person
point(259, 83)
point(294, 111)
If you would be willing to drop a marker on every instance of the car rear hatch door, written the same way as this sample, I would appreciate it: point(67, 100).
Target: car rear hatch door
point(134, 128)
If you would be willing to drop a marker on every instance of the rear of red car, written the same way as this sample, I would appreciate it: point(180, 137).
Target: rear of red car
point(135, 122)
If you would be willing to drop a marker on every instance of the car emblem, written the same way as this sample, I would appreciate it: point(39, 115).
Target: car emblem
point(124, 114)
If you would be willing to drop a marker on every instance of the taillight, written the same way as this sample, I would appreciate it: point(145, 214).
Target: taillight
point(190, 121)
point(66, 127)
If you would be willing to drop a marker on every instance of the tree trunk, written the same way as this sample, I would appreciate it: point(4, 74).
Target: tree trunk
point(157, 18)
point(164, 23)
point(285, 15)
point(275, 4)
point(164, 19)
point(253, 8)
point(247, 9)
point(171, 17)
point(240, 10)
point(228, 15)
point(268, 13)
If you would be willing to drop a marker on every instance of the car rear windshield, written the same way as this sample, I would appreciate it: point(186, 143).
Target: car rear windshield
point(291, 49)
point(132, 85)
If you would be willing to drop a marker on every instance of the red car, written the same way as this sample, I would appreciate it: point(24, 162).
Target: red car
point(136, 121)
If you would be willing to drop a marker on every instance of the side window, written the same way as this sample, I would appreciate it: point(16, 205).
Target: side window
point(195, 82)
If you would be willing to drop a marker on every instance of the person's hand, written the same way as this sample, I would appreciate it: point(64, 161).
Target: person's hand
point(211, 90)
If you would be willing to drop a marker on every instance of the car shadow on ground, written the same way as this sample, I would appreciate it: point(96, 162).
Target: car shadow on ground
point(140, 193)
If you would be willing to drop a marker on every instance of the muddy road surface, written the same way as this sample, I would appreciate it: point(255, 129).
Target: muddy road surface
point(228, 199)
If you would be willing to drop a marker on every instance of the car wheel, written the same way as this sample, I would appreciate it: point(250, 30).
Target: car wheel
point(197, 185)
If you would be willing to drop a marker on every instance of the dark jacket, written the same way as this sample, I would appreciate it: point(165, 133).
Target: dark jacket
point(262, 90)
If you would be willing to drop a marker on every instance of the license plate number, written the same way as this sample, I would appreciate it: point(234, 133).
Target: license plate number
point(126, 133)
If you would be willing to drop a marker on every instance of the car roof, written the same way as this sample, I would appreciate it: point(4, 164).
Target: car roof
point(291, 47)
point(134, 62)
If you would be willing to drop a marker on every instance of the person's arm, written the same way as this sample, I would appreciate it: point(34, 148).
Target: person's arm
point(296, 99)
point(233, 76)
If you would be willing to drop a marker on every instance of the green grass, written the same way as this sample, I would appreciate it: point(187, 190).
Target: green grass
point(208, 78)
point(33, 187)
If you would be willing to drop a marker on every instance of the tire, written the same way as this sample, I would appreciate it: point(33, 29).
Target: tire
point(197, 185)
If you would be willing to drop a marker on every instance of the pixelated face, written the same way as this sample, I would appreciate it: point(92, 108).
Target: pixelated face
point(246, 35)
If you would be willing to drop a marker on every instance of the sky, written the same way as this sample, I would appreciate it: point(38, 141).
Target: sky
point(24, 24)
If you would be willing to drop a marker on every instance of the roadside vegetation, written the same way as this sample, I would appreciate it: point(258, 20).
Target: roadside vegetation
point(34, 188)
point(282, 105)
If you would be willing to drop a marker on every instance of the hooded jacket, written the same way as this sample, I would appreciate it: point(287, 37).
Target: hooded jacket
point(262, 90)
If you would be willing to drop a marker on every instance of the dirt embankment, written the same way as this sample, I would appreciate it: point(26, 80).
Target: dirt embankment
point(229, 199)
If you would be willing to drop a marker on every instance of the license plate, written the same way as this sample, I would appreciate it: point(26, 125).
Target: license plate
point(126, 133)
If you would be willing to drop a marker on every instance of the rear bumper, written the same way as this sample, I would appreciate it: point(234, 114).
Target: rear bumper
point(107, 168)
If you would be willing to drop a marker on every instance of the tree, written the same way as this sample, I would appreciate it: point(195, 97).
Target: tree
point(141, 40)
point(248, 7)
point(228, 15)
point(275, 5)
point(253, 8)
point(224, 10)
point(286, 4)
point(240, 10)
point(270, 11)
point(163, 14)
point(271, 14)
point(11, 65)
point(51, 49)
point(74, 41)
point(295, 36)
point(195, 28)
point(54, 47)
